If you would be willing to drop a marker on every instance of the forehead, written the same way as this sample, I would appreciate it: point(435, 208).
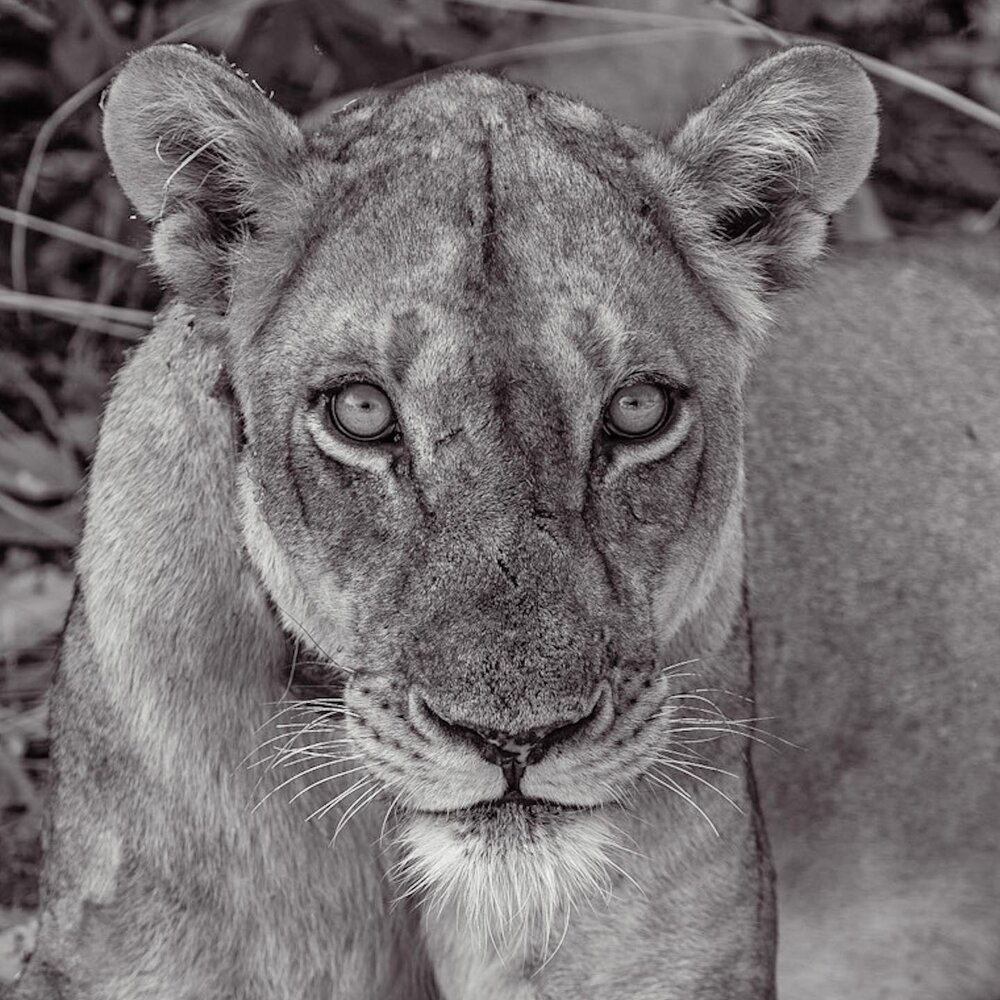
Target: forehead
point(472, 213)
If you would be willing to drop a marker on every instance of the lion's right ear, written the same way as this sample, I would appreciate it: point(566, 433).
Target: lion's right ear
point(203, 154)
point(752, 178)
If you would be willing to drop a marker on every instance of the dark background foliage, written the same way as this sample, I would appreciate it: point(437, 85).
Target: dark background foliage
point(70, 305)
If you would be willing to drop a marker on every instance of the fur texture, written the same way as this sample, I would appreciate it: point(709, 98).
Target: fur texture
point(466, 711)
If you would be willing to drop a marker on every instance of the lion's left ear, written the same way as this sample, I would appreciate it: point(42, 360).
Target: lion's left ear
point(757, 172)
point(203, 154)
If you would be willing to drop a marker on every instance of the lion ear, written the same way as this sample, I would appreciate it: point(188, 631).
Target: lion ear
point(202, 153)
point(761, 168)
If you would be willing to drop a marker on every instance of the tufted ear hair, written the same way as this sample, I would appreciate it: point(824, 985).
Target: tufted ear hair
point(201, 152)
point(751, 180)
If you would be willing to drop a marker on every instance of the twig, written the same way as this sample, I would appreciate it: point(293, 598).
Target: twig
point(587, 43)
point(92, 323)
point(71, 235)
point(886, 71)
point(18, 238)
point(587, 12)
point(559, 46)
point(71, 309)
point(876, 67)
point(928, 88)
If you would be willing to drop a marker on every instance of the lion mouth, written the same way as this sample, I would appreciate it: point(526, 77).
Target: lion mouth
point(513, 805)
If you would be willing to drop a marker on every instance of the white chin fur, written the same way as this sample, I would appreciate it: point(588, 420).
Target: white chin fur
point(512, 877)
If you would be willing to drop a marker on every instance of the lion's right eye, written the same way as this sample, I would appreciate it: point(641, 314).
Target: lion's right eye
point(362, 412)
point(639, 410)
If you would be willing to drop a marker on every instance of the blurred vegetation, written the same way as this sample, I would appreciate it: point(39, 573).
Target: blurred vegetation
point(74, 298)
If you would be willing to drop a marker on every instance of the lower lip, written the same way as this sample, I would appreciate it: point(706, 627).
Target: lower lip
point(511, 806)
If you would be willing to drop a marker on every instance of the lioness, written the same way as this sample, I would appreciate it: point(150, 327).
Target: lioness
point(421, 604)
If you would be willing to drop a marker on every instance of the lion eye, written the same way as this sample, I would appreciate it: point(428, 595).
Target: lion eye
point(637, 410)
point(362, 412)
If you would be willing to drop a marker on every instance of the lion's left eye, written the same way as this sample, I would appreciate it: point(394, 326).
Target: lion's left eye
point(362, 412)
point(637, 411)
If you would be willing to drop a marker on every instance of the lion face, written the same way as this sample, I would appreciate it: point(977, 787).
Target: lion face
point(479, 474)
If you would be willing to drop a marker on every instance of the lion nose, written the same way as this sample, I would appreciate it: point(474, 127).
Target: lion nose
point(513, 752)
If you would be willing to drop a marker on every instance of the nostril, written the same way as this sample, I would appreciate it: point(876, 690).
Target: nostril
point(545, 739)
point(432, 721)
point(479, 737)
point(501, 747)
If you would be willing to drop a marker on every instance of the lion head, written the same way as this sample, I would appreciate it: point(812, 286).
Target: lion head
point(488, 351)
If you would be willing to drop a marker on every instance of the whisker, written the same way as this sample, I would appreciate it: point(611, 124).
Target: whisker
point(318, 745)
point(312, 639)
point(296, 649)
point(720, 729)
point(676, 666)
point(288, 781)
point(678, 677)
point(667, 782)
point(360, 803)
point(706, 783)
point(323, 781)
point(385, 820)
point(283, 738)
point(296, 754)
point(703, 767)
point(559, 944)
point(327, 806)
point(732, 694)
point(713, 708)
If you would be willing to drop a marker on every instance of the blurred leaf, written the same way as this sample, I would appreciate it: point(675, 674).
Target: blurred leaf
point(79, 431)
point(75, 55)
point(19, 80)
point(33, 606)
point(85, 385)
point(441, 42)
point(42, 527)
point(984, 86)
point(16, 944)
point(221, 32)
point(85, 44)
point(279, 50)
point(35, 470)
point(71, 166)
point(25, 680)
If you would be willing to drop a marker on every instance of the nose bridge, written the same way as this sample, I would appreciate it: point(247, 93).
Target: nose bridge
point(511, 637)
point(516, 552)
point(514, 640)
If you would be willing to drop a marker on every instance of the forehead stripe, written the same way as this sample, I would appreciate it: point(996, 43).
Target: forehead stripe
point(489, 236)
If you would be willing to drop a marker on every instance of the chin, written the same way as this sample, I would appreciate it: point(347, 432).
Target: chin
point(511, 871)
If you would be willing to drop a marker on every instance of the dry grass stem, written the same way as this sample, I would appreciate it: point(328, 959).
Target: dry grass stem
point(18, 262)
point(886, 71)
point(76, 311)
point(71, 235)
